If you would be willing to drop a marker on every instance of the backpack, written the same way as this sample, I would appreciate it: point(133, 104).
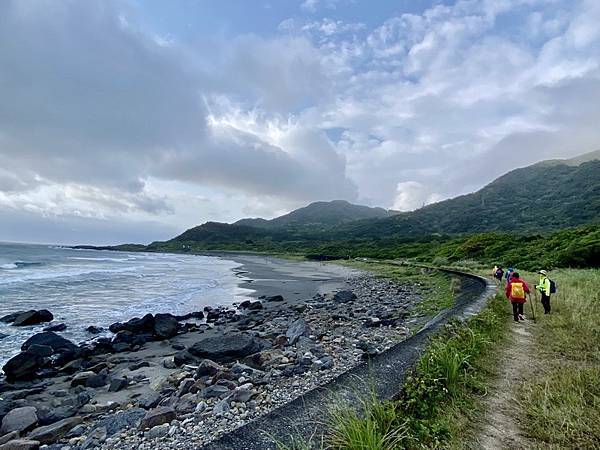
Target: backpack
point(517, 291)
point(552, 286)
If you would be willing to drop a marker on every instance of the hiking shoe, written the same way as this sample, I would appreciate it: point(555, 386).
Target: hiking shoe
point(521, 317)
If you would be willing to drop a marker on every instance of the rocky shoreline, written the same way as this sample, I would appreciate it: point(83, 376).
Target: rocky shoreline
point(166, 381)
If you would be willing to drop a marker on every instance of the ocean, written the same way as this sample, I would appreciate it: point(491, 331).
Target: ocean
point(90, 287)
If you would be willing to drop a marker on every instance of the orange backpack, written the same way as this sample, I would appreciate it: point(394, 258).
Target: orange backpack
point(517, 291)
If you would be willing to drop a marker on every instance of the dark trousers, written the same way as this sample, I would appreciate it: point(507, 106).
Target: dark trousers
point(517, 309)
point(546, 303)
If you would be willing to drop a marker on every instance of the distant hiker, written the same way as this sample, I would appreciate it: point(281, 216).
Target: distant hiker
point(498, 273)
point(515, 291)
point(546, 286)
point(508, 274)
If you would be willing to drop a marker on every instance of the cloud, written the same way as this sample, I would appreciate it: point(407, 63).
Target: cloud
point(411, 195)
point(93, 106)
point(104, 119)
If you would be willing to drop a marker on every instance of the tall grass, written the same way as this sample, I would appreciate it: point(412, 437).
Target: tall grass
point(438, 398)
point(562, 402)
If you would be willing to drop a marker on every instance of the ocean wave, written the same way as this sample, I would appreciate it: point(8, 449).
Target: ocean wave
point(85, 258)
point(54, 275)
point(19, 265)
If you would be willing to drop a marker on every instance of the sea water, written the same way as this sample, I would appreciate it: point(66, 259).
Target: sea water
point(91, 287)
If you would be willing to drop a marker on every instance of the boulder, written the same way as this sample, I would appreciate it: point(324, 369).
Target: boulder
point(94, 330)
point(207, 368)
point(298, 328)
point(135, 325)
point(157, 417)
point(57, 327)
point(58, 343)
point(274, 298)
point(9, 437)
point(254, 306)
point(123, 336)
point(20, 444)
point(192, 315)
point(117, 384)
point(22, 366)
point(96, 381)
point(344, 297)
point(53, 432)
point(215, 391)
point(32, 317)
point(121, 420)
point(148, 400)
point(165, 326)
point(19, 419)
point(9, 318)
point(184, 357)
point(157, 432)
point(81, 378)
point(227, 348)
point(241, 395)
point(44, 351)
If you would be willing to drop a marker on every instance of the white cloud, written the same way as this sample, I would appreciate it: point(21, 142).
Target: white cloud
point(104, 119)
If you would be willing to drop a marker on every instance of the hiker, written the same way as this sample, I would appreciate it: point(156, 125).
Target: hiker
point(498, 273)
point(515, 291)
point(545, 288)
point(508, 274)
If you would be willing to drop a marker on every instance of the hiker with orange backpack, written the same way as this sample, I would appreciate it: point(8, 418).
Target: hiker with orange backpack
point(515, 291)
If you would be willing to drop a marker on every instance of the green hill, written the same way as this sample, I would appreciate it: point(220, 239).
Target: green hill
point(319, 215)
point(531, 201)
point(541, 197)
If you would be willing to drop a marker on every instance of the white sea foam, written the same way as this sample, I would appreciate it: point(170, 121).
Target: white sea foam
point(9, 266)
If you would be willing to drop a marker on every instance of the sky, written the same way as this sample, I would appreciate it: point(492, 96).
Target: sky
point(133, 120)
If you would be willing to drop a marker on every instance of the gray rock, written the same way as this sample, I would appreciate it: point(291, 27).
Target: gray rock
point(9, 318)
point(32, 317)
point(157, 416)
point(208, 367)
point(148, 400)
point(9, 437)
point(19, 419)
point(22, 366)
point(221, 408)
point(44, 351)
point(157, 431)
point(20, 444)
point(53, 432)
point(344, 297)
point(165, 326)
point(298, 328)
point(228, 347)
point(117, 384)
point(241, 395)
point(215, 391)
point(121, 420)
point(185, 386)
point(58, 343)
point(169, 363)
point(96, 381)
point(57, 327)
point(81, 378)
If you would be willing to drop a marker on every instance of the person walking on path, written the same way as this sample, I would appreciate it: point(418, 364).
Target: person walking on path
point(544, 287)
point(508, 275)
point(515, 291)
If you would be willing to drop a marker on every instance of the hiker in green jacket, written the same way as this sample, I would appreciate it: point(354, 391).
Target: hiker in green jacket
point(544, 287)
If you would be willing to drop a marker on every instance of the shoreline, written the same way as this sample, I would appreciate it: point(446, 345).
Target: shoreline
point(309, 338)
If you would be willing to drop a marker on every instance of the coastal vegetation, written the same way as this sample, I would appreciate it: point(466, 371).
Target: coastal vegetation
point(443, 401)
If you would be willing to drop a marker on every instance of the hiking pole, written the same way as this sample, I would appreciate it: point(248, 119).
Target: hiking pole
point(533, 305)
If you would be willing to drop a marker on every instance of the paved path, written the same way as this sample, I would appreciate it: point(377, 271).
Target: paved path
point(304, 416)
